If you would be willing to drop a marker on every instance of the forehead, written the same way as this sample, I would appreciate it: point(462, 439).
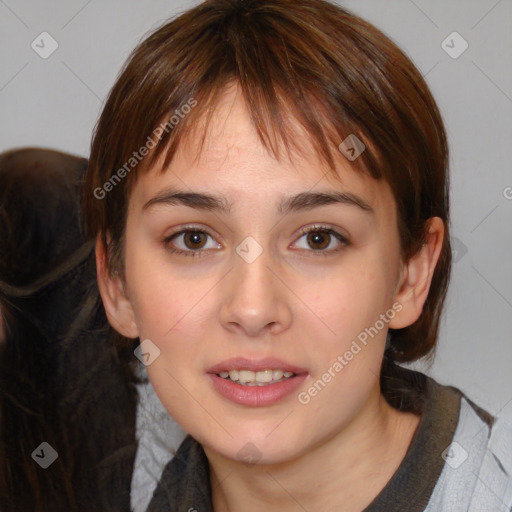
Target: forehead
point(232, 160)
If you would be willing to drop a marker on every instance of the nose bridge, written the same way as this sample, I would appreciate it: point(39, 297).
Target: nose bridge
point(251, 266)
point(255, 298)
point(252, 277)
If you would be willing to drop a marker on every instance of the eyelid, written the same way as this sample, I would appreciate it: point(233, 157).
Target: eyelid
point(181, 231)
point(320, 227)
point(190, 227)
point(330, 230)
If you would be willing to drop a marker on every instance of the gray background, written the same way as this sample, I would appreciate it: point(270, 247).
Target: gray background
point(55, 103)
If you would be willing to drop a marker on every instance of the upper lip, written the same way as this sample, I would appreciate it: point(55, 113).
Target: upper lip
point(255, 365)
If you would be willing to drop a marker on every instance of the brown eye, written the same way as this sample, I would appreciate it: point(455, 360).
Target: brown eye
point(195, 239)
point(190, 242)
point(318, 239)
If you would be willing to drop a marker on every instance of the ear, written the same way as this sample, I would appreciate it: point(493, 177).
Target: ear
point(416, 276)
point(112, 289)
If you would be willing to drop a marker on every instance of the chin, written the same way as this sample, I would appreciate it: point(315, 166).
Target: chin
point(254, 445)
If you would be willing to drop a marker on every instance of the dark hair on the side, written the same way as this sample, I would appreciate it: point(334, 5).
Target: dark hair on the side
point(61, 381)
point(334, 72)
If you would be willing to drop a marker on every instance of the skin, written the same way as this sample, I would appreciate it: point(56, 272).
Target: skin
point(291, 302)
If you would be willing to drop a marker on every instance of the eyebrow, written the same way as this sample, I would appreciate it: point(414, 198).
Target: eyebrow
point(300, 202)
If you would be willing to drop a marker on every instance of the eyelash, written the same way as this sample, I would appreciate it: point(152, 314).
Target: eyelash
point(315, 229)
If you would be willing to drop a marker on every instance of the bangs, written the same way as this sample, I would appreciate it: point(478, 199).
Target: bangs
point(285, 67)
point(280, 125)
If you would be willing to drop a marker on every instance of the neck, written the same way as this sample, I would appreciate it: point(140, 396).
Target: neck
point(345, 472)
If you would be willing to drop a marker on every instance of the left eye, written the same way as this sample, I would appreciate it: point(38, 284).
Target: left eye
point(322, 239)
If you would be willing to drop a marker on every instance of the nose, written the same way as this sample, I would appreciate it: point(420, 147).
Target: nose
point(255, 301)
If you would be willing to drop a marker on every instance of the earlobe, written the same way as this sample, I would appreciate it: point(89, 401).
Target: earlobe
point(416, 276)
point(117, 304)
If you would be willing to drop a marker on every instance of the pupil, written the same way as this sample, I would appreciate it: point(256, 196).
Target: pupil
point(194, 237)
point(316, 237)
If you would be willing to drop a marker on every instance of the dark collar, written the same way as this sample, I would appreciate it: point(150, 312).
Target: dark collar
point(412, 484)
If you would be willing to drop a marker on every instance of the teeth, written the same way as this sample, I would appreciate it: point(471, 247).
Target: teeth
point(278, 374)
point(245, 376)
point(264, 376)
point(250, 378)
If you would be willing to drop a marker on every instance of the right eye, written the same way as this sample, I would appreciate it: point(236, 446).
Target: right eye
point(189, 242)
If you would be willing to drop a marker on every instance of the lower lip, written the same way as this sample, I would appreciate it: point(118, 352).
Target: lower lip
point(256, 396)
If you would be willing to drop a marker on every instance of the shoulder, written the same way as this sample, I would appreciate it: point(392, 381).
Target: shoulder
point(185, 481)
point(477, 472)
point(158, 437)
point(460, 458)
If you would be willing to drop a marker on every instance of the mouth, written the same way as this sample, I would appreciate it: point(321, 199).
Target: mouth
point(252, 382)
point(259, 378)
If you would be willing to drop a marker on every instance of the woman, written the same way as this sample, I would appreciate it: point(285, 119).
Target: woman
point(268, 190)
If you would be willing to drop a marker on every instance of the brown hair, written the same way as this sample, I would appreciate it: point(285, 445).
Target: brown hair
point(334, 72)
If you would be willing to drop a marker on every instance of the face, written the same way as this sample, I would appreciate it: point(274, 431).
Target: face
point(268, 275)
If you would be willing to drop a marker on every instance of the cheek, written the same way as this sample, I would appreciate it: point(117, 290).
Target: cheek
point(348, 348)
point(171, 310)
point(349, 300)
point(173, 320)
point(161, 299)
